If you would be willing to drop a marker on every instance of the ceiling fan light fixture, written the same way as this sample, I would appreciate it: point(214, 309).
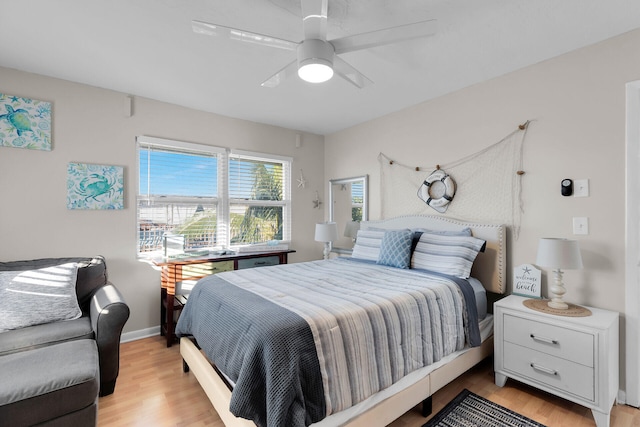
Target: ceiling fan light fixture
point(315, 71)
point(315, 61)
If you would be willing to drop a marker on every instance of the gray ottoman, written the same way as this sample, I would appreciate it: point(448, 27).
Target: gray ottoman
point(56, 385)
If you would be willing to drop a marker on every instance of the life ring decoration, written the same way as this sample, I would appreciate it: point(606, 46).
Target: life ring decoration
point(438, 190)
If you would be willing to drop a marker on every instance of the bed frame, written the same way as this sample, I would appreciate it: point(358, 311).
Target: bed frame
point(489, 268)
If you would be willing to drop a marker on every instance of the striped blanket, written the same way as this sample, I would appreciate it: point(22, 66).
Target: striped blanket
point(366, 325)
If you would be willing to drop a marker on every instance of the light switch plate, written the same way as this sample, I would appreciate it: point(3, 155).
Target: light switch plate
point(581, 188)
point(580, 225)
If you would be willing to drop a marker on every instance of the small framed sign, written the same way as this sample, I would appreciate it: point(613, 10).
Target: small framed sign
point(526, 281)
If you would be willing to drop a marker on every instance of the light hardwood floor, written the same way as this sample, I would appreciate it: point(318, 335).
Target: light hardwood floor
point(152, 390)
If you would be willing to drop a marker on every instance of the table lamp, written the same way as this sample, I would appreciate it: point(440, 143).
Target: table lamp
point(351, 230)
point(559, 254)
point(326, 232)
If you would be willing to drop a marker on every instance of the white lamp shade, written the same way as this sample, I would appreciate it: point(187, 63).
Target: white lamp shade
point(326, 232)
point(559, 254)
point(351, 229)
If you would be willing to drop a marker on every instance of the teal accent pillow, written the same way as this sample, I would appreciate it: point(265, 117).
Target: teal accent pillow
point(395, 249)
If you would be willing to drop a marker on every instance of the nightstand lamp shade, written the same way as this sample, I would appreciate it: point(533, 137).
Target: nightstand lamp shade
point(351, 229)
point(559, 254)
point(326, 232)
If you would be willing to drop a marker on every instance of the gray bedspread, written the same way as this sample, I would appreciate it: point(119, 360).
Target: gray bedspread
point(302, 341)
point(266, 350)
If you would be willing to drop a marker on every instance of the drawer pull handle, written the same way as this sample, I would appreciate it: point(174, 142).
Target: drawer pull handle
point(543, 369)
point(260, 263)
point(543, 339)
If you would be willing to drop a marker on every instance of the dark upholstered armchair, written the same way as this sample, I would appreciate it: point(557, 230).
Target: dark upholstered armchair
point(104, 313)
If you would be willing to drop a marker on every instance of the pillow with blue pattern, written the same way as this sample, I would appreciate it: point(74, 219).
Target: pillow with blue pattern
point(395, 249)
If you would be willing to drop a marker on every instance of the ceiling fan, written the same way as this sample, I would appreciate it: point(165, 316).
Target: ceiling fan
point(318, 58)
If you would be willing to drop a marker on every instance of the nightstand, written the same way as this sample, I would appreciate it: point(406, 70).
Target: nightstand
point(575, 358)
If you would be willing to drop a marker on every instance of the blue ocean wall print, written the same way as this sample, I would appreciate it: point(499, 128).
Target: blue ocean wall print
point(95, 186)
point(25, 123)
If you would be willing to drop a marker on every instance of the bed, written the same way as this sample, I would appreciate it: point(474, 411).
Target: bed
point(332, 373)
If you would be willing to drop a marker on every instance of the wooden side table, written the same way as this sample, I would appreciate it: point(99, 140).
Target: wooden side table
point(174, 271)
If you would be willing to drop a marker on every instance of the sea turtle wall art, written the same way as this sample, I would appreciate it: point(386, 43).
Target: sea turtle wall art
point(95, 186)
point(25, 123)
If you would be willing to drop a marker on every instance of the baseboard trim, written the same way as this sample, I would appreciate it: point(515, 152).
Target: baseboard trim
point(140, 334)
point(622, 397)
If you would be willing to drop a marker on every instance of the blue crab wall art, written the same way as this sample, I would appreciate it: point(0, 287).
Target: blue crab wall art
point(25, 123)
point(95, 186)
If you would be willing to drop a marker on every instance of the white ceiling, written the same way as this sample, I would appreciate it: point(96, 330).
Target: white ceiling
point(147, 48)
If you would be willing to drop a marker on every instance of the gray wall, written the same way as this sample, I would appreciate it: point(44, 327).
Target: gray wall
point(577, 102)
point(90, 126)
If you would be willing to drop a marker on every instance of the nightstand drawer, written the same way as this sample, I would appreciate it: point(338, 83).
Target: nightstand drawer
point(258, 262)
point(561, 374)
point(556, 341)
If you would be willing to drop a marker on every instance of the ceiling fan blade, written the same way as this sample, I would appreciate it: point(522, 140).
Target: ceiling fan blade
point(350, 74)
point(209, 29)
point(385, 36)
point(288, 71)
point(314, 19)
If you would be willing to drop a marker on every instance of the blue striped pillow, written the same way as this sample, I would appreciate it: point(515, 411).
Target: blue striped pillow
point(447, 254)
point(367, 245)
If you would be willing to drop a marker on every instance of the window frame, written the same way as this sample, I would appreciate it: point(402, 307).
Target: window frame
point(285, 203)
point(223, 201)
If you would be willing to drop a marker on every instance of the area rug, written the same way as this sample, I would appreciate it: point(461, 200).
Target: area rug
point(470, 410)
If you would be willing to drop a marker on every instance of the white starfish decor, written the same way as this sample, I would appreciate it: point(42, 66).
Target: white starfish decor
point(301, 181)
point(317, 202)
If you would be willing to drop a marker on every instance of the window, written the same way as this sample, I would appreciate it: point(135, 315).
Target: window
point(258, 201)
point(357, 200)
point(195, 198)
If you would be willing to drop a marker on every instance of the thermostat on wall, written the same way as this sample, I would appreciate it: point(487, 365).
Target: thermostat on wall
point(566, 187)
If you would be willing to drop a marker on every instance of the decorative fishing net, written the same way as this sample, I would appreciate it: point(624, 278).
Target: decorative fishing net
point(488, 184)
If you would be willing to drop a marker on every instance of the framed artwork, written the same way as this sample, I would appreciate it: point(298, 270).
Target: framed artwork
point(526, 281)
point(25, 123)
point(95, 186)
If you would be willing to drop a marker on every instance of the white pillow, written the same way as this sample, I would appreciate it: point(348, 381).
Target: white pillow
point(447, 254)
point(463, 232)
point(367, 245)
point(34, 297)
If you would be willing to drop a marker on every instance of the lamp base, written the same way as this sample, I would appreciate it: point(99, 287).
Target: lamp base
point(557, 291)
point(558, 304)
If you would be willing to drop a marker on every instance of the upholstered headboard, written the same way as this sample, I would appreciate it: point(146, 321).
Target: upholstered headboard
point(490, 265)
